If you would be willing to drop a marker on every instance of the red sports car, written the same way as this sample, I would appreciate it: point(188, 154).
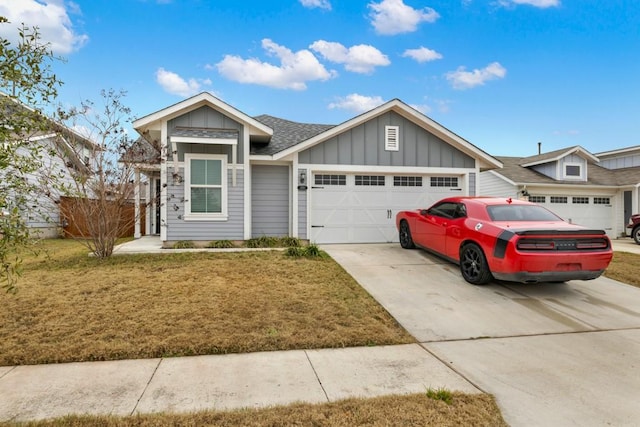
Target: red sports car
point(505, 239)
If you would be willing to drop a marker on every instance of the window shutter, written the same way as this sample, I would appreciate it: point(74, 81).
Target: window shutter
point(391, 140)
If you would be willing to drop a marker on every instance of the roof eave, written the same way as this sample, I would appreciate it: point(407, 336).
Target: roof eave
point(204, 98)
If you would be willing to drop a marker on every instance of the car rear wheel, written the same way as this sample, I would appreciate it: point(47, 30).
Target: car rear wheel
point(473, 265)
point(636, 234)
point(405, 236)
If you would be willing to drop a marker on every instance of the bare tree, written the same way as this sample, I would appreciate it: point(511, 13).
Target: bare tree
point(100, 196)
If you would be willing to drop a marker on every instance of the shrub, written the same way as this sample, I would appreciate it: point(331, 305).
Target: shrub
point(289, 242)
point(184, 244)
point(295, 251)
point(220, 244)
point(262, 242)
point(313, 251)
point(440, 394)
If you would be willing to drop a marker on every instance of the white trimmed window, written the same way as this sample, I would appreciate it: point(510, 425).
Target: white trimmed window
point(573, 171)
point(205, 187)
point(391, 138)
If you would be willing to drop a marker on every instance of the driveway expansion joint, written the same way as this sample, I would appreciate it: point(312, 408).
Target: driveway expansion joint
point(153, 374)
point(306, 353)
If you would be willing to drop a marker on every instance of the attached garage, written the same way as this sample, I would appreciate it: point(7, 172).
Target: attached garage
point(359, 208)
point(589, 211)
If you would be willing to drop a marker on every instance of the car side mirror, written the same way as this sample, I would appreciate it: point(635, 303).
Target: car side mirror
point(424, 212)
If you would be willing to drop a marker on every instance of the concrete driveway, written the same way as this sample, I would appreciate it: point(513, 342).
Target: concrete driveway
point(552, 354)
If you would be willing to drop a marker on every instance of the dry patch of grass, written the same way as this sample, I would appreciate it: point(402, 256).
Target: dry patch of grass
point(71, 307)
point(624, 267)
point(410, 410)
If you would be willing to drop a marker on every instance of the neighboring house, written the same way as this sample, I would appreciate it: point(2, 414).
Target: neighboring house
point(62, 152)
point(223, 175)
point(595, 190)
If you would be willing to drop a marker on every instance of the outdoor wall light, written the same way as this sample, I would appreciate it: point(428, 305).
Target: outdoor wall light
point(302, 179)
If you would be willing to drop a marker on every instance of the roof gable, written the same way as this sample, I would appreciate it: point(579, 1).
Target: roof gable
point(515, 172)
point(485, 160)
point(153, 120)
point(556, 155)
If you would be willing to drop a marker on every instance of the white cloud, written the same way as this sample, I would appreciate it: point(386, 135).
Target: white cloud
point(422, 54)
point(461, 79)
point(360, 58)
point(50, 16)
point(294, 71)
point(321, 4)
point(357, 103)
point(394, 17)
point(174, 84)
point(423, 108)
point(543, 4)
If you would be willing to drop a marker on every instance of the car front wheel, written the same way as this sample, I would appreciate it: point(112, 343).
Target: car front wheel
point(473, 265)
point(405, 236)
point(636, 234)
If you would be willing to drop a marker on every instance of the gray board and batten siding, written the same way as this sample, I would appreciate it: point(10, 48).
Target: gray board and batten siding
point(207, 118)
point(179, 229)
point(269, 201)
point(365, 145)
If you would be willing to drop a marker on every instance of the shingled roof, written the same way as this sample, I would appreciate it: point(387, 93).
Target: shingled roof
point(143, 152)
point(596, 175)
point(286, 134)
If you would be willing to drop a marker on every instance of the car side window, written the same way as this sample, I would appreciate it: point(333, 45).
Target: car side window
point(460, 211)
point(444, 210)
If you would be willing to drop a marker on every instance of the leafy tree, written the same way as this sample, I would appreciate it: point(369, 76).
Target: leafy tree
point(26, 78)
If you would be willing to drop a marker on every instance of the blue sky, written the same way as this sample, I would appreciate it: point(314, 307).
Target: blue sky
point(503, 74)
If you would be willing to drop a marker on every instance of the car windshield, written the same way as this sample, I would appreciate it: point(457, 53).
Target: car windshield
point(520, 213)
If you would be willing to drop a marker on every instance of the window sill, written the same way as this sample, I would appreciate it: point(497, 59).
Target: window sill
point(206, 217)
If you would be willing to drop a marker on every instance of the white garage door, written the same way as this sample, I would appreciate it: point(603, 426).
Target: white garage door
point(362, 208)
point(589, 211)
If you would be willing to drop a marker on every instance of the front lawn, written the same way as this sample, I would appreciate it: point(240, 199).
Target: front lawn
point(71, 307)
point(625, 267)
point(410, 410)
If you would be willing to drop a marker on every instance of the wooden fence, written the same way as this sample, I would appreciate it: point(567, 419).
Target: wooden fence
point(74, 222)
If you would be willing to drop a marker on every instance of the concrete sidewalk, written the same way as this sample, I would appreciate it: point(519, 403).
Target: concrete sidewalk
point(185, 384)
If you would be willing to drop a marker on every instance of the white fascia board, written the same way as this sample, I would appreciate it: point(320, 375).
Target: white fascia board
point(400, 170)
point(581, 151)
point(404, 110)
point(571, 186)
point(196, 140)
point(626, 150)
point(194, 102)
point(261, 158)
point(41, 137)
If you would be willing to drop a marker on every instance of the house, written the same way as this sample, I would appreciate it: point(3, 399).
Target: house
point(222, 175)
point(596, 190)
point(62, 152)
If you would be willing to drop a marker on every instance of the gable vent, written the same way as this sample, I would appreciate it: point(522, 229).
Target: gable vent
point(391, 139)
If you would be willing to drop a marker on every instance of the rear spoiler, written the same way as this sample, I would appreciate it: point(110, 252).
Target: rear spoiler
point(564, 232)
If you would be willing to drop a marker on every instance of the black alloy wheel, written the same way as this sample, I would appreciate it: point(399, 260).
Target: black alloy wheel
point(473, 265)
point(405, 236)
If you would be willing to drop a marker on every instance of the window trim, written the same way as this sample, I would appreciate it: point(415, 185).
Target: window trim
point(567, 176)
point(198, 216)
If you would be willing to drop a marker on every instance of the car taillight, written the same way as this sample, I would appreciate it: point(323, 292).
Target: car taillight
point(592, 244)
point(535, 245)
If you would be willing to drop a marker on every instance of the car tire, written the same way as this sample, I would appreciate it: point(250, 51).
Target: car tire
point(473, 265)
point(636, 234)
point(404, 235)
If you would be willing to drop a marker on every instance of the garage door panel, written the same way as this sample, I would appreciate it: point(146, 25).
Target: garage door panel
point(592, 215)
point(365, 213)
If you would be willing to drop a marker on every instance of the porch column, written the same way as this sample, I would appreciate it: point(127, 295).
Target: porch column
point(136, 192)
